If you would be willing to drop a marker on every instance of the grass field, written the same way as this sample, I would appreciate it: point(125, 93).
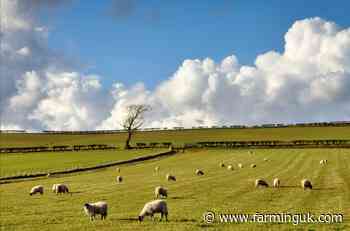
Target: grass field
point(44, 162)
point(219, 190)
point(179, 137)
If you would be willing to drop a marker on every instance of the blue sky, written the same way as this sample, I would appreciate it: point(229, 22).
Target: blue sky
point(153, 38)
point(62, 58)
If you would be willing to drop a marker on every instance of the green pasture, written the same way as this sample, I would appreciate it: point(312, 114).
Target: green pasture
point(16, 164)
point(178, 137)
point(219, 190)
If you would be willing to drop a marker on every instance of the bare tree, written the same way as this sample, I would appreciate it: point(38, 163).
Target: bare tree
point(134, 120)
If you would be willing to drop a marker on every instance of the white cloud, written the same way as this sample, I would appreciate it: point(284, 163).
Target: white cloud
point(309, 81)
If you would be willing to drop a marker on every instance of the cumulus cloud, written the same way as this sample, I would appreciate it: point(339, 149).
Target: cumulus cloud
point(309, 81)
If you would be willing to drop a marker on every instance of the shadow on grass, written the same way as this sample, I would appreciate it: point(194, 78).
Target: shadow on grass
point(180, 198)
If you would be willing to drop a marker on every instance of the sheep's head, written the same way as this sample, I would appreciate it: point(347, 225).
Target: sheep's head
point(140, 218)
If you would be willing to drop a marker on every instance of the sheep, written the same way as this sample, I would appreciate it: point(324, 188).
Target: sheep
point(91, 209)
point(222, 165)
point(276, 183)
point(160, 191)
point(265, 159)
point(199, 172)
point(170, 177)
point(240, 165)
point(305, 184)
point(118, 169)
point(37, 189)
point(60, 188)
point(260, 182)
point(119, 179)
point(152, 207)
point(230, 167)
point(323, 162)
point(253, 165)
point(156, 169)
point(48, 175)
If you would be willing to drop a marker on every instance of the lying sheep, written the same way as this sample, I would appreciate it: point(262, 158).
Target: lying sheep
point(91, 209)
point(119, 179)
point(240, 165)
point(260, 182)
point(222, 165)
point(276, 183)
point(37, 189)
point(230, 167)
point(160, 191)
point(170, 177)
point(199, 172)
point(305, 184)
point(60, 188)
point(253, 165)
point(152, 207)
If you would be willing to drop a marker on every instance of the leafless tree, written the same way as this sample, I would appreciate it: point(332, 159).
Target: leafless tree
point(134, 120)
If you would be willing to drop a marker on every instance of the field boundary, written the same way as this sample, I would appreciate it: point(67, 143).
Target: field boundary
point(83, 169)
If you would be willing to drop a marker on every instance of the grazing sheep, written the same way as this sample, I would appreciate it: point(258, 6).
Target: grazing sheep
point(230, 167)
point(253, 165)
point(60, 188)
point(119, 179)
point(240, 165)
point(323, 162)
point(91, 209)
point(156, 169)
point(37, 189)
point(170, 177)
point(260, 182)
point(276, 183)
point(222, 165)
point(118, 169)
point(199, 172)
point(160, 191)
point(305, 184)
point(152, 207)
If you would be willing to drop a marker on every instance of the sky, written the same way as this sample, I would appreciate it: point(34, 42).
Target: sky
point(76, 65)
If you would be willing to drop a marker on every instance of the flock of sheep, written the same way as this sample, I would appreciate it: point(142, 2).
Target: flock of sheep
point(158, 205)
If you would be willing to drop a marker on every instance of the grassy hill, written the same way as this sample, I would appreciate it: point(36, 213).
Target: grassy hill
point(179, 137)
point(219, 190)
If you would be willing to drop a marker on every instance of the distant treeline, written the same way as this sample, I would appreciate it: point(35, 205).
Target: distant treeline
point(273, 125)
point(206, 144)
point(58, 148)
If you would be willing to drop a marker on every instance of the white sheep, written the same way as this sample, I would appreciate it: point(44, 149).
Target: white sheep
point(260, 182)
point(60, 188)
point(276, 183)
point(323, 162)
point(160, 191)
point(118, 169)
point(305, 184)
point(37, 189)
point(91, 209)
point(152, 207)
point(199, 172)
point(240, 165)
point(230, 167)
point(253, 165)
point(265, 159)
point(170, 177)
point(156, 169)
point(119, 179)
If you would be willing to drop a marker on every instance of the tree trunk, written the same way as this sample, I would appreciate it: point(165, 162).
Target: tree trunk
point(127, 143)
